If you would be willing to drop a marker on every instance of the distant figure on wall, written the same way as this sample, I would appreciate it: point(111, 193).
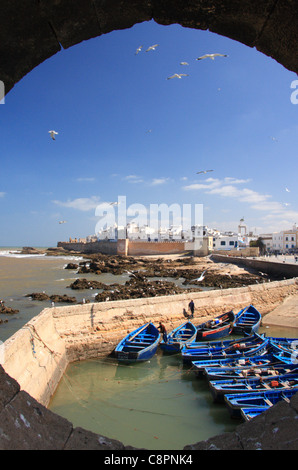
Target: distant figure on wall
point(191, 307)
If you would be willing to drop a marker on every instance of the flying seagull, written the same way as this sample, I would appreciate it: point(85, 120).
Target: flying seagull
point(204, 171)
point(62, 222)
point(178, 75)
point(184, 63)
point(114, 203)
point(211, 56)
point(53, 133)
point(138, 50)
point(288, 191)
point(152, 48)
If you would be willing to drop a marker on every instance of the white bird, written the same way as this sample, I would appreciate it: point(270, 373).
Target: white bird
point(288, 191)
point(130, 273)
point(204, 171)
point(178, 75)
point(199, 279)
point(114, 203)
point(138, 50)
point(62, 222)
point(53, 133)
point(152, 48)
point(184, 63)
point(211, 56)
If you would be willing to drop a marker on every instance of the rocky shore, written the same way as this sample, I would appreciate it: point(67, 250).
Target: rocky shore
point(151, 276)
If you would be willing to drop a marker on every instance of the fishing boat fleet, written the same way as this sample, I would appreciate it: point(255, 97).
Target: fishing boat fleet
point(248, 375)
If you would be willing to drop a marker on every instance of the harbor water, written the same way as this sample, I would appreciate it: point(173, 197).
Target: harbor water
point(159, 404)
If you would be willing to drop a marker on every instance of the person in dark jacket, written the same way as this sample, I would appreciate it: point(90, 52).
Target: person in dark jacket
point(191, 307)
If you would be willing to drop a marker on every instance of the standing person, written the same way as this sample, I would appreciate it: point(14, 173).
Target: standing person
point(191, 307)
point(163, 331)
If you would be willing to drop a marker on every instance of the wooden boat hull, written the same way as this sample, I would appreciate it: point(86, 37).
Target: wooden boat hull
point(220, 388)
point(178, 337)
point(249, 413)
point(139, 345)
point(238, 351)
point(223, 373)
point(234, 403)
point(248, 320)
point(231, 363)
point(222, 326)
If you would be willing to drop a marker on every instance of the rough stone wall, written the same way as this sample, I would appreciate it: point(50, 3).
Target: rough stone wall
point(105, 247)
point(138, 248)
point(36, 357)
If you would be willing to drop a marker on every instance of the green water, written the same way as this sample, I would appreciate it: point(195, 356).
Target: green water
point(152, 405)
point(156, 405)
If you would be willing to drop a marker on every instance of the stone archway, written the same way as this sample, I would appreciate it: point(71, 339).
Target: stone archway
point(34, 30)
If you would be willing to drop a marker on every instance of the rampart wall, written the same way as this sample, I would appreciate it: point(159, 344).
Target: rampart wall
point(287, 270)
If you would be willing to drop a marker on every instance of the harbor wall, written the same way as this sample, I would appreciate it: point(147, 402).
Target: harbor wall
point(273, 268)
point(37, 355)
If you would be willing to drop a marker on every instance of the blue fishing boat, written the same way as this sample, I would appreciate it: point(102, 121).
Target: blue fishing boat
point(243, 363)
point(235, 402)
point(284, 347)
point(235, 350)
point(222, 373)
point(178, 337)
point(223, 343)
point(249, 413)
point(139, 345)
point(248, 320)
point(216, 328)
point(220, 388)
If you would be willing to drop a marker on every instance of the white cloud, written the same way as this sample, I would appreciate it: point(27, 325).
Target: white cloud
point(274, 212)
point(134, 179)
point(82, 204)
point(157, 181)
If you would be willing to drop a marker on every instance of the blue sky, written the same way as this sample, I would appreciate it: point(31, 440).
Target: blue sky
point(125, 130)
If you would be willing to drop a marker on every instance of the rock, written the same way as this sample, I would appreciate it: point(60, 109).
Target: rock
point(72, 266)
point(63, 298)
point(6, 310)
point(54, 298)
point(85, 284)
point(38, 296)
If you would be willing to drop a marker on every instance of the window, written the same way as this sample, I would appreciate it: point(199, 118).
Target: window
point(231, 243)
point(222, 243)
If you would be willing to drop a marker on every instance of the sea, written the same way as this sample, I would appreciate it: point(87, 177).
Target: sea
point(157, 405)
